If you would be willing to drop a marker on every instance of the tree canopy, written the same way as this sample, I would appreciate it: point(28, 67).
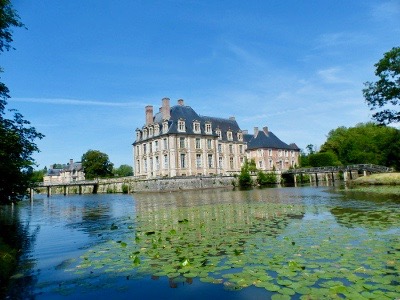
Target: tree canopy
point(16, 135)
point(384, 94)
point(365, 143)
point(96, 164)
point(123, 171)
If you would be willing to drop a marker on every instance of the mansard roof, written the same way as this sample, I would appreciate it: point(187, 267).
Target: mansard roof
point(266, 140)
point(187, 114)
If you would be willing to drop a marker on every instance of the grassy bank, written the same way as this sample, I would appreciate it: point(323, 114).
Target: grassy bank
point(378, 179)
point(386, 183)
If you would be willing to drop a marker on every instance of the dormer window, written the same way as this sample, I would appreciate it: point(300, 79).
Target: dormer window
point(181, 126)
point(196, 127)
point(165, 127)
point(219, 134)
point(145, 133)
point(156, 129)
point(150, 131)
point(240, 136)
point(138, 135)
point(208, 128)
point(229, 135)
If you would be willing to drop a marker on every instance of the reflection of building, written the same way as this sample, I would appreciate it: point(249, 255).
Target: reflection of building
point(177, 141)
point(71, 172)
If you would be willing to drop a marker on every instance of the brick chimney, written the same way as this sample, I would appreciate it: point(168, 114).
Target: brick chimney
point(232, 118)
point(180, 102)
point(245, 131)
point(149, 114)
point(255, 131)
point(166, 109)
point(265, 129)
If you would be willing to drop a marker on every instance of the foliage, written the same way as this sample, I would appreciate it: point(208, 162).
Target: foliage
point(37, 176)
point(384, 94)
point(123, 171)
point(252, 166)
point(266, 178)
point(323, 159)
point(16, 136)
point(96, 165)
point(125, 189)
point(245, 180)
point(366, 143)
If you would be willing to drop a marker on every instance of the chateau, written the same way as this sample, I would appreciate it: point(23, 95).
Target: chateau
point(176, 141)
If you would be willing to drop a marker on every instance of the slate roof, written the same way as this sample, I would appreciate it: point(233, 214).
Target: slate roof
point(266, 140)
point(67, 168)
point(187, 114)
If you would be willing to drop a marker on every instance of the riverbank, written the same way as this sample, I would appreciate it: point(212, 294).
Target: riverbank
point(385, 183)
point(378, 179)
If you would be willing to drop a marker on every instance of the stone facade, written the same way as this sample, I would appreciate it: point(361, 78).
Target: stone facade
point(177, 141)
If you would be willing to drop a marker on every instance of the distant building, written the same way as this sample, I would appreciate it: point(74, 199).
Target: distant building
point(176, 141)
point(73, 171)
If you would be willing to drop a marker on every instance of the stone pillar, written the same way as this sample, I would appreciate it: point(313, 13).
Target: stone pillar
point(65, 190)
point(365, 173)
point(345, 176)
point(48, 191)
point(294, 179)
point(80, 189)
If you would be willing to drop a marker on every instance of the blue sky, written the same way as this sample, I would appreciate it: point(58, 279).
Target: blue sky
point(83, 71)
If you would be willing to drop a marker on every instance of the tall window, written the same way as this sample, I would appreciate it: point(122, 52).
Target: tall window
point(157, 163)
point(165, 146)
point(183, 162)
point(181, 142)
point(181, 125)
point(198, 143)
point(209, 144)
point(219, 148)
point(241, 149)
point(270, 152)
point(138, 166)
point(280, 153)
point(231, 162)
point(219, 134)
point(210, 160)
point(137, 150)
point(144, 149)
point(198, 161)
point(208, 128)
point(230, 148)
point(145, 165)
point(271, 163)
point(155, 145)
point(260, 164)
point(165, 161)
point(220, 162)
point(150, 147)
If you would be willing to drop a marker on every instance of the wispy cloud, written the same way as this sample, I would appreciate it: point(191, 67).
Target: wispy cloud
point(336, 39)
point(332, 75)
point(76, 102)
point(386, 10)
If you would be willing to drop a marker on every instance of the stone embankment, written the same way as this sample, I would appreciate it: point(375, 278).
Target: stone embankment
point(378, 179)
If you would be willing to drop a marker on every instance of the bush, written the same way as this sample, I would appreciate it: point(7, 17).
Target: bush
point(266, 178)
point(125, 189)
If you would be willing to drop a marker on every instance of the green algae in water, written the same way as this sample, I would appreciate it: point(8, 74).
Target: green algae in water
point(274, 246)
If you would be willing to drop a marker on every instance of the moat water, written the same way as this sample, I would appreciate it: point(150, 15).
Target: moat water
point(283, 243)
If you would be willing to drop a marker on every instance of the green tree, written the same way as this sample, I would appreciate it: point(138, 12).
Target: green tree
point(245, 180)
point(123, 171)
point(323, 159)
point(16, 135)
point(384, 94)
point(96, 165)
point(366, 143)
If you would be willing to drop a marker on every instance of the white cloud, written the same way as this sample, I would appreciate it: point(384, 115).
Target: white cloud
point(332, 75)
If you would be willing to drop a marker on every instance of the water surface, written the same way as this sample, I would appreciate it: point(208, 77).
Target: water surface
point(283, 243)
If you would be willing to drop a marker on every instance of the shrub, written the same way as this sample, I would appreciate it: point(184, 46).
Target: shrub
point(266, 178)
